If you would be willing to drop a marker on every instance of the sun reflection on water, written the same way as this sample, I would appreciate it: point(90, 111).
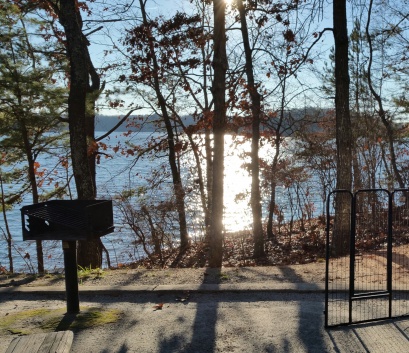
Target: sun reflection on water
point(237, 183)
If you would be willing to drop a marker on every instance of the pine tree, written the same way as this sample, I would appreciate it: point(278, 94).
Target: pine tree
point(31, 103)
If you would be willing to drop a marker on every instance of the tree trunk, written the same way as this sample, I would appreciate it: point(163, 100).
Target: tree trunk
point(381, 111)
point(179, 191)
point(33, 182)
point(93, 92)
point(34, 189)
point(9, 238)
point(343, 127)
point(219, 125)
point(207, 117)
point(255, 140)
point(273, 186)
point(209, 181)
point(89, 253)
point(28, 151)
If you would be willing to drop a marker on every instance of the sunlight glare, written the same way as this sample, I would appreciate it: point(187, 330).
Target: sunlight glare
point(237, 185)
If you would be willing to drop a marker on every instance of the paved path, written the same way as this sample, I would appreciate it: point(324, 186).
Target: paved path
point(215, 318)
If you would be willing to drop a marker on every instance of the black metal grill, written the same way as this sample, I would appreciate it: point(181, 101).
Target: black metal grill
point(67, 220)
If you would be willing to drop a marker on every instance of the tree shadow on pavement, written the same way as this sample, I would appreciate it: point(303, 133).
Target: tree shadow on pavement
point(250, 332)
point(383, 336)
point(204, 328)
point(310, 322)
point(243, 321)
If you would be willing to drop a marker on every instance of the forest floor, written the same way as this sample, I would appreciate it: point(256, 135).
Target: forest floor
point(295, 258)
point(188, 271)
point(282, 262)
point(300, 245)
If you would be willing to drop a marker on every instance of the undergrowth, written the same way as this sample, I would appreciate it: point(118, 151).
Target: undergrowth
point(296, 247)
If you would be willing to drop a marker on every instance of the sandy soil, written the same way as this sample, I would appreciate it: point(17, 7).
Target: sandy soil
point(312, 272)
point(370, 268)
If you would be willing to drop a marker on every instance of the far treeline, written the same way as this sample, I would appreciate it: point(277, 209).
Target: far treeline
point(105, 123)
point(232, 67)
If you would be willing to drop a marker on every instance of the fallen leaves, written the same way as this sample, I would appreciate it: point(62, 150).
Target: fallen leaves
point(158, 307)
point(298, 243)
point(183, 298)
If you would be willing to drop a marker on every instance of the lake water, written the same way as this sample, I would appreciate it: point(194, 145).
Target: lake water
point(113, 175)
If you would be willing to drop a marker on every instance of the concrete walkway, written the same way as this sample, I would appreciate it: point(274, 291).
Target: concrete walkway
point(246, 317)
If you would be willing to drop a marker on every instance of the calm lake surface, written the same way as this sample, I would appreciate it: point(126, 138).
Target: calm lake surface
point(114, 175)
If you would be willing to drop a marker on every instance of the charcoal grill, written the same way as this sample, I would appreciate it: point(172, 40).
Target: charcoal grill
point(69, 221)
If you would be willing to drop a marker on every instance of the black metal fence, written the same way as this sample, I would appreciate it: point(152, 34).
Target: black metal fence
point(367, 256)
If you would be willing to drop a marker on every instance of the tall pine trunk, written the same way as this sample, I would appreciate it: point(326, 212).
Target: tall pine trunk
point(89, 252)
point(255, 139)
point(219, 126)
point(34, 193)
point(8, 236)
point(178, 189)
point(343, 128)
point(390, 133)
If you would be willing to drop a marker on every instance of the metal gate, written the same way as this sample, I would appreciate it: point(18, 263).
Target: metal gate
point(367, 256)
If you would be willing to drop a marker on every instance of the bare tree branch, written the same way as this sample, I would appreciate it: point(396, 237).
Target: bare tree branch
point(117, 125)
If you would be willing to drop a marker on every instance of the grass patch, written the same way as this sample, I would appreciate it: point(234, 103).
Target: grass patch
point(54, 276)
point(17, 323)
point(49, 320)
point(88, 272)
point(87, 318)
point(224, 276)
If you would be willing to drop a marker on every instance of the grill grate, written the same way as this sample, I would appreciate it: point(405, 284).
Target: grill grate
point(67, 220)
point(59, 215)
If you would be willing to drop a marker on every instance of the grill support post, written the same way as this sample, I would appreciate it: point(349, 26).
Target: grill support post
point(71, 276)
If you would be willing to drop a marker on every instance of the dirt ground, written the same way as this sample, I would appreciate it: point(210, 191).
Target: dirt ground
point(193, 322)
point(312, 272)
point(370, 268)
point(26, 313)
